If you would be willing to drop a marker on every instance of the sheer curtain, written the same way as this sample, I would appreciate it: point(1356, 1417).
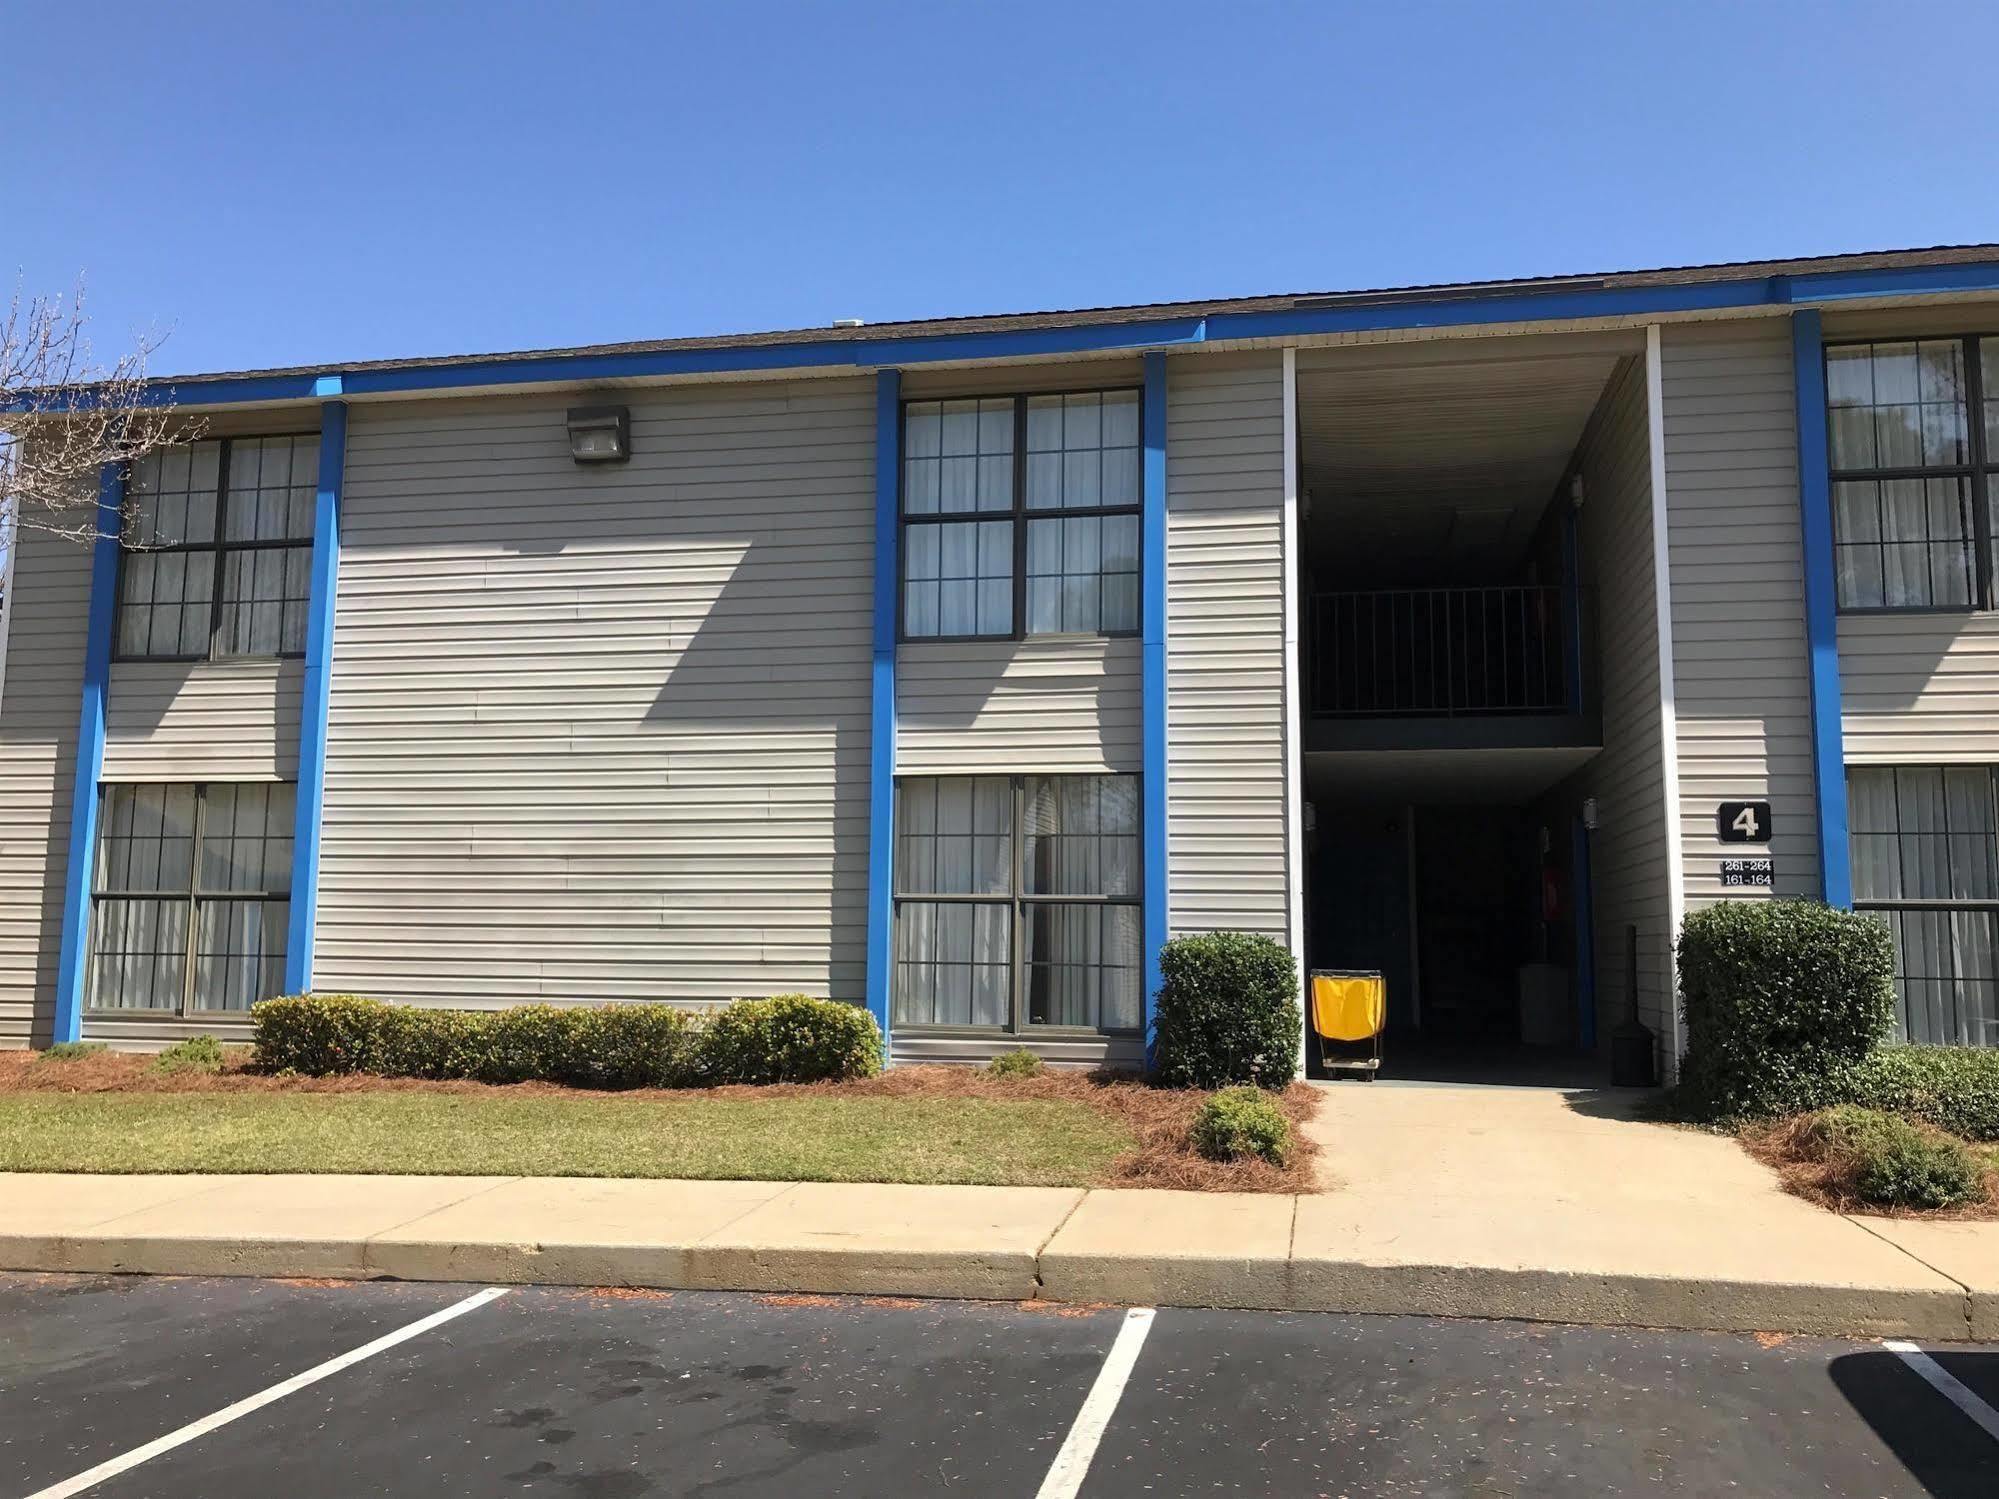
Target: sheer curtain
point(954, 959)
point(1075, 901)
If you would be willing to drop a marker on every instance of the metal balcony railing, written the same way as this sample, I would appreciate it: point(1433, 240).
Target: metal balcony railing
point(1443, 652)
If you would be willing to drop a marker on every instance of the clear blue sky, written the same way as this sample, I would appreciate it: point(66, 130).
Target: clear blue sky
point(281, 183)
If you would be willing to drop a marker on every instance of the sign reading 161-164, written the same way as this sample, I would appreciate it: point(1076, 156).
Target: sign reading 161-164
point(1743, 822)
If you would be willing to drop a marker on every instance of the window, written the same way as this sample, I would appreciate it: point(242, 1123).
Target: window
point(191, 897)
point(1018, 903)
point(1914, 438)
point(1021, 516)
point(1925, 845)
point(218, 558)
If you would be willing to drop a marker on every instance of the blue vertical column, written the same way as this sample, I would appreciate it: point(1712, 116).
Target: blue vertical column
point(317, 689)
point(68, 1018)
point(1152, 592)
point(1821, 607)
point(881, 733)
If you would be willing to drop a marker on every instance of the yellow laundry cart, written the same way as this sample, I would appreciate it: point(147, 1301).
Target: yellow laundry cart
point(1349, 1013)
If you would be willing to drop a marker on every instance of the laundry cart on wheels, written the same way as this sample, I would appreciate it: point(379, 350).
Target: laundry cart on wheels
point(1349, 1013)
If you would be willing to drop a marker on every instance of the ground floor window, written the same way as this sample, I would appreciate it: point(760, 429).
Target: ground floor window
point(1018, 903)
point(190, 897)
point(1925, 842)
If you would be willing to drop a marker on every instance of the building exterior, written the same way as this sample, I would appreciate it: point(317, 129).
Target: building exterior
point(1473, 633)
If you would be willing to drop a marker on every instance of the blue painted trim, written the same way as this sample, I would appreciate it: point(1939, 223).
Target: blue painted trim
point(1349, 314)
point(1821, 608)
point(317, 691)
point(67, 1023)
point(1582, 906)
point(881, 726)
point(1152, 635)
point(1572, 607)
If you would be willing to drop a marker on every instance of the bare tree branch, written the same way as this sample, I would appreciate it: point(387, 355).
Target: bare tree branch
point(64, 417)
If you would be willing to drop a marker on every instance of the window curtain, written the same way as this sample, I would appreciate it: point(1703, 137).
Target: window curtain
point(1929, 833)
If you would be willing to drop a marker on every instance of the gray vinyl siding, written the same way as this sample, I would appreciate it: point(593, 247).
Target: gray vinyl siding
point(1059, 704)
point(1225, 644)
point(1120, 1053)
point(1918, 688)
point(48, 608)
point(602, 734)
point(1629, 877)
point(202, 721)
point(1741, 678)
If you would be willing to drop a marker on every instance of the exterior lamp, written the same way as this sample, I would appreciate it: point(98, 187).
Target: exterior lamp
point(600, 434)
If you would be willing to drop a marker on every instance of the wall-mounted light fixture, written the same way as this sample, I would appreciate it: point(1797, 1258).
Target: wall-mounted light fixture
point(600, 434)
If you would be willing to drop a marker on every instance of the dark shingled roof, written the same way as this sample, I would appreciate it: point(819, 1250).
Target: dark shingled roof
point(1741, 270)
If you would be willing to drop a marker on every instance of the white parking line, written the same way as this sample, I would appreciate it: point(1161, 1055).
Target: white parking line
point(1948, 1385)
point(114, 1466)
point(1072, 1463)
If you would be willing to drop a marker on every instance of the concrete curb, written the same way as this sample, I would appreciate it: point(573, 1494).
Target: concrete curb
point(1247, 1284)
point(995, 1244)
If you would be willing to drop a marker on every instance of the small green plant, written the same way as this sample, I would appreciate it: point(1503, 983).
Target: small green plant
point(1889, 1161)
point(1783, 999)
point(790, 1038)
point(195, 1054)
point(1227, 1012)
point(1955, 1088)
point(71, 1051)
point(1241, 1123)
point(1021, 1063)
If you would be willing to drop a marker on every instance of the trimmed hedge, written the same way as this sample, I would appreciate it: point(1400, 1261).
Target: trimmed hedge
point(1891, 1162)
point(791, 1038)
point(1955, 1088)
point(1238, 1123)
point(1783, 999)
point(1227, 1012)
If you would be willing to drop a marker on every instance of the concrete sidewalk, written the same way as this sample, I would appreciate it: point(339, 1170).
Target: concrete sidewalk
point(1794, 1270)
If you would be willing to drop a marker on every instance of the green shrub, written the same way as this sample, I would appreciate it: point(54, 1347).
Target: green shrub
point(1238, 1123)
point(70, 1051)
point(320, 1035)
point(790, 1038)
point(1955, 1088)
point(435, 1044)
point(195, 1054)
point(1889, 1161)
point(1022, 1063)
point(633, 1046)
point(528, 1043)
point(1227, 1012)
point(1783, 998)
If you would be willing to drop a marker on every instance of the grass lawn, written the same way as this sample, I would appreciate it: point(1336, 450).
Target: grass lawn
point(811, 1137)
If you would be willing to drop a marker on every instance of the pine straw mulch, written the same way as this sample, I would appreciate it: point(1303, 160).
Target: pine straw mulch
point(1158, 1118)
point(1826, 1180)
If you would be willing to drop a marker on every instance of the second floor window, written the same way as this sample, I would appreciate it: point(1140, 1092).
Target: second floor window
point(1914, 434)
point(218, 560)
point(1020, 516)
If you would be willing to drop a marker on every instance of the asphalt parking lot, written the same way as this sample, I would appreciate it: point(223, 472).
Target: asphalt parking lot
point(613, 1395)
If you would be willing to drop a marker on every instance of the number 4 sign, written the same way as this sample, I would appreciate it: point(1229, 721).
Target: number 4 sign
point(1743, 822)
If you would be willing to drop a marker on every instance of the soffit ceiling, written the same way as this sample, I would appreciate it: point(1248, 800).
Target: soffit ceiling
point(1438, 468)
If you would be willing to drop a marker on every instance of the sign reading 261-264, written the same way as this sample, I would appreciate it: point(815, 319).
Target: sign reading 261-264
point(1743, 822)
